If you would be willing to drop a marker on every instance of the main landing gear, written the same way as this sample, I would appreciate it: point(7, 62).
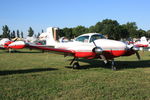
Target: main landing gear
point(75, 64)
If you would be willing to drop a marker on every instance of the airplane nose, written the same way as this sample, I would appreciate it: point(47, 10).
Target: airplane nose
point(17, 45)
point(111, 44)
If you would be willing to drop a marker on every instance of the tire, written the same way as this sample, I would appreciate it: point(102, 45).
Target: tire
point(76, 65)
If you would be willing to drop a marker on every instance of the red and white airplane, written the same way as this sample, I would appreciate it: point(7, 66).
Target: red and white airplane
point(142, 43)
point(5, 42)
point(89, 46)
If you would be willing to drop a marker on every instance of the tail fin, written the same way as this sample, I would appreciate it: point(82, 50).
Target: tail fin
point(50, 36)
point(143, 39)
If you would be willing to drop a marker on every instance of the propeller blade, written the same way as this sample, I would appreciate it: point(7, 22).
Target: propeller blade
point(104, 59)
point(137, 54)
point(94, 43)
point(136, 49)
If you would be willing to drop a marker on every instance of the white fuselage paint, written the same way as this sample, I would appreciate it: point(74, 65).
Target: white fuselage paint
point(17, 43)
point(105, 44)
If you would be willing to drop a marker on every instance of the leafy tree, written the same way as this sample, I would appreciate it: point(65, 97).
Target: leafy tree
point(1, 36)
point(22, 35)
point(98, 27)
point(13, 35)
point(109, 31)
point(109, 21)
point(132, 28)
point(92, 29)
point(18, 34)
point(110, 28)
point(79, 30)
point(67, 32)
point(140, 33)
point(6, 32)
point(30, 32)
point(148, 33)
point(123, 32)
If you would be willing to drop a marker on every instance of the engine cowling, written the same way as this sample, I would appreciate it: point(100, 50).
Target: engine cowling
point(97, 50)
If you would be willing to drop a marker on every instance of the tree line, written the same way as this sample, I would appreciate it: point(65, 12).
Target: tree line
point(13, 34)
point(110, 28)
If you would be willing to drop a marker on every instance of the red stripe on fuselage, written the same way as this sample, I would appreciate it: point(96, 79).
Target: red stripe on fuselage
point(109, 54)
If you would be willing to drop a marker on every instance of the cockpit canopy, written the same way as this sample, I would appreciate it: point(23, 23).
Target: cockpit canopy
point(88, 38)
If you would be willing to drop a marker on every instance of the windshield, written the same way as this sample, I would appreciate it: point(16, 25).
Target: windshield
point(97, 36)
point(82, 39)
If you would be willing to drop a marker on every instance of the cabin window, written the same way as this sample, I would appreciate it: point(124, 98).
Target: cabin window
point(82, 39)
point(95, 37)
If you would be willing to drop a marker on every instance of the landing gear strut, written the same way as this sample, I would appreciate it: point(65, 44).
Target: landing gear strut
point(110, 64)
point(113, 65)
point(76, 64)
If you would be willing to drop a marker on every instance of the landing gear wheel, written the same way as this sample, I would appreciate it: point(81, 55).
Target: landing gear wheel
point(114, 68)
point(76, 65)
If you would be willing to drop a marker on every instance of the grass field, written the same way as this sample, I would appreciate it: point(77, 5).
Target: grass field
point(33, 75)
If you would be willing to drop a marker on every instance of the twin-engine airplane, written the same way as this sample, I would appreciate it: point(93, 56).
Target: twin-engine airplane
point(89, 46)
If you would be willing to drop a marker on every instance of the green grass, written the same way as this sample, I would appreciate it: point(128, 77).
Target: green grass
point(46, 76)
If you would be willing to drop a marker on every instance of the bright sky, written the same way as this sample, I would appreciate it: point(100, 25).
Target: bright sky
point(40, 14)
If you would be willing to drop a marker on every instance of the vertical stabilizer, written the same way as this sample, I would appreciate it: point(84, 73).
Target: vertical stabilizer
point(51, 36)
point(143, 39)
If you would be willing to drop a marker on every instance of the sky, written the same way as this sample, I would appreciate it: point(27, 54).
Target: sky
point(40, 14)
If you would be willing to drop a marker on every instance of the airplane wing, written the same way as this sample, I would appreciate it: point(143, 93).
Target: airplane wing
point(22, 44)
point(51, 48)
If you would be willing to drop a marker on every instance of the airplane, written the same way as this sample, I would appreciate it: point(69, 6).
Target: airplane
point(142, 43)
point(89, 46)
point(5, 42)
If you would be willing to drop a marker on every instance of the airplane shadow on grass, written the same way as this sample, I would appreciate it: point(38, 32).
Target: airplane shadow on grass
point(19, 51)
point(24, 71)
point(31, 51)
point(118, 64)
